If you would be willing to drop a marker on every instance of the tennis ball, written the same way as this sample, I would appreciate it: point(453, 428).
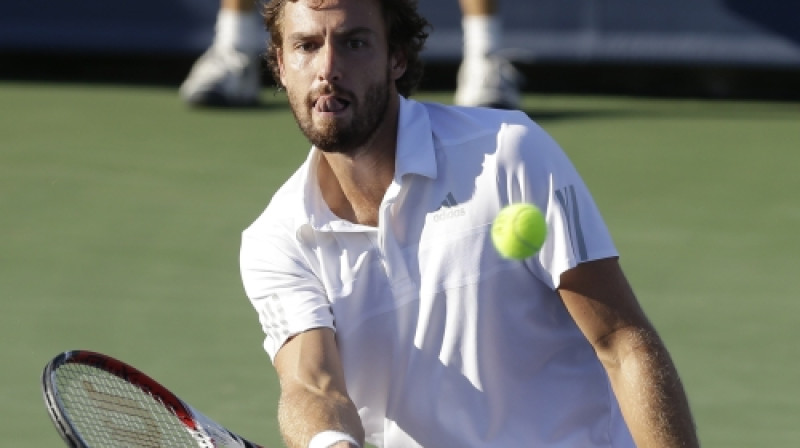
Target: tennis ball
point(518, 231)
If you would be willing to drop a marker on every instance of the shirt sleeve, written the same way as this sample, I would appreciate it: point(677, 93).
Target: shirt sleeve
point(538, 171)
point(284, 291)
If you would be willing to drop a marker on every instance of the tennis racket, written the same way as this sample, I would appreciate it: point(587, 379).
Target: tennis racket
point(97, 401)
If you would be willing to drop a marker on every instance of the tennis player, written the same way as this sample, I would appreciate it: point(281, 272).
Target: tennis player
point(388, 314)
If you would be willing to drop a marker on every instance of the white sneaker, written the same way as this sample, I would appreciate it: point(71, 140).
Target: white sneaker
point(490, 82)
point(223, 77)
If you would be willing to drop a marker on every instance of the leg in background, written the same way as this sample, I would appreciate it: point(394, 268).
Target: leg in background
point(229, 72)
point(484, 77)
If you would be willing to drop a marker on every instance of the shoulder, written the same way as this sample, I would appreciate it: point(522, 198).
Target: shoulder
point(508, 133)
point(284, 213)
point(455, 124)
point(510, 137)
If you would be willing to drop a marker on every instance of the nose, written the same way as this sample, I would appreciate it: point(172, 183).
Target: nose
point(329, 64)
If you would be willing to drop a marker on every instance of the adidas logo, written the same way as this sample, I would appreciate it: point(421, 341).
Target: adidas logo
point(450, 209)
point(449, 201)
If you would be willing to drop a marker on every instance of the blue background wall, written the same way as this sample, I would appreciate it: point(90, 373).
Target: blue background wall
point(762, 33)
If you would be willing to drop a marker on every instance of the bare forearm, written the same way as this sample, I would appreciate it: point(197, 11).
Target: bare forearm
point(303, 413)
point(651, 395)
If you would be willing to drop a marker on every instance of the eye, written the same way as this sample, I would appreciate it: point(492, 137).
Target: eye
point(355, 44)
point(305, 46)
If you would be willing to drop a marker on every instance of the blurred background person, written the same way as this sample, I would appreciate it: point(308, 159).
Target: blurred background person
point(229, 72)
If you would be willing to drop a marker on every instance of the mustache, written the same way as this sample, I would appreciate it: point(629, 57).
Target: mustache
point(330, 89)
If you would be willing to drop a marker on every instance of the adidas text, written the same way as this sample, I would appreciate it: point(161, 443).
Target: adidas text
point(449, 213)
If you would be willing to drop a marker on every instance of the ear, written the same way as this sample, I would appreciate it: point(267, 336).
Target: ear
point(399, 64)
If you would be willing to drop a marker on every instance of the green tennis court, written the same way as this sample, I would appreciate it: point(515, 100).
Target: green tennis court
point(121, 209)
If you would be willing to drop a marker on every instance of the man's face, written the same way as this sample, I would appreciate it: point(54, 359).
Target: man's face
point(337, 70)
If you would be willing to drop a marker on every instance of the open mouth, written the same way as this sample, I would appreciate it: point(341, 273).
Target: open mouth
point(329, 103)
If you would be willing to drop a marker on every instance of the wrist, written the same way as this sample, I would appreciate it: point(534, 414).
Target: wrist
point(326, 439)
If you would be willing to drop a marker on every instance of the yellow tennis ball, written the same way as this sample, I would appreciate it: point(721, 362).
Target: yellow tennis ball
point(519, 231)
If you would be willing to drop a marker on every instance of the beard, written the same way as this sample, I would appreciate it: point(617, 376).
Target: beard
point(335, 136)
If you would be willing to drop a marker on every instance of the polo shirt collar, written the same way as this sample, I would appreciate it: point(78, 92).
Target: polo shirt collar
point(415, 149)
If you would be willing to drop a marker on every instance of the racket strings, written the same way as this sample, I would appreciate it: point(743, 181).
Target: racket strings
point(110, 412)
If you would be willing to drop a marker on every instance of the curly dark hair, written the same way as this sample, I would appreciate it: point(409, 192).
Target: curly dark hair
point(407, 34)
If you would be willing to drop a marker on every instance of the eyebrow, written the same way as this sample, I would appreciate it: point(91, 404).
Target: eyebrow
point(301, 35)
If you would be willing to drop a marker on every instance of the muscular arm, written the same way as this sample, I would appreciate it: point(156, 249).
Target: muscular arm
point(642, 374)
point(313, 392)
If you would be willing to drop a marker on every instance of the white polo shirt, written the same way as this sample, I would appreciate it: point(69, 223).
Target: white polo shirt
point(444, 343)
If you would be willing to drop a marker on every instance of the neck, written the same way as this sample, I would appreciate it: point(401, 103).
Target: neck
point(353, 184)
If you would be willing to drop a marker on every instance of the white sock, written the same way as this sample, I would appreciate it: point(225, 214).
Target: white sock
point(243, 31)
point(483, 35)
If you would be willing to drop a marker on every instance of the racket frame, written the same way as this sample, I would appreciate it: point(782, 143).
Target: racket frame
point(128, 373)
